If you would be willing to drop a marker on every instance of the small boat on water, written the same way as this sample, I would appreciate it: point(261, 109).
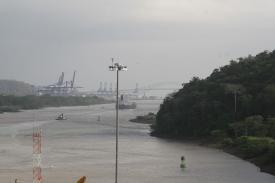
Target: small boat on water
point(61, 117)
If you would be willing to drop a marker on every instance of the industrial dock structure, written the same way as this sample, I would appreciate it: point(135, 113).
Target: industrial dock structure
point(61, 88)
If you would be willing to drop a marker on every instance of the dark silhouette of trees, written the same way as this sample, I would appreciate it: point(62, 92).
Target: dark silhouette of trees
point(223, 101)
point(13, 103)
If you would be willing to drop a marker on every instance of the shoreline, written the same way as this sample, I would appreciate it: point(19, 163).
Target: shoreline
point(145, 119)
point(18, 110)
point(266, 168)
point(20, 116)
point(259, 161)
point(17, 103)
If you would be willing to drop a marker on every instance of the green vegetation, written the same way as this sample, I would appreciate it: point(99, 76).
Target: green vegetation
point(15, 103)
point(251, 147)
point(204, 105)
point(234, 105)
point(149, 118)
point(258, 150)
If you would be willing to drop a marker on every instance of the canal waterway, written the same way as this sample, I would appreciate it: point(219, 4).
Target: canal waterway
point(84, 144)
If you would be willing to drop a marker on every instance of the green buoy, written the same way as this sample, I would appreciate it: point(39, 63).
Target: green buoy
point(182, 164)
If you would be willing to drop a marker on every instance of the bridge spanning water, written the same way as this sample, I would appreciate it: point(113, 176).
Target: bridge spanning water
point(157, 89)
point(84, 145)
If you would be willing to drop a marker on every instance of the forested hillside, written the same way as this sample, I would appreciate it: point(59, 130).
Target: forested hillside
point(17, 88)
point(12, 103)
point(224, 101)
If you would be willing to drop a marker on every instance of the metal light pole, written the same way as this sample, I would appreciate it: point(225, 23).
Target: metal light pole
point(117, 67)
point(235, 105)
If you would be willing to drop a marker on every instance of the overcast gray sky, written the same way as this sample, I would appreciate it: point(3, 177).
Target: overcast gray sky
point(159, 40)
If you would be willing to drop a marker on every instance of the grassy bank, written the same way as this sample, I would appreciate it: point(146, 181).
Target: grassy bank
point(234, 105)
point(258, 150)
point(16, 103)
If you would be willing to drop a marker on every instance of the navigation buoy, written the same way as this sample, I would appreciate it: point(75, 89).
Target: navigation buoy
point(182, 164)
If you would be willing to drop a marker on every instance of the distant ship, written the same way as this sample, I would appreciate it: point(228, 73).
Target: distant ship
point(61, 117)
point(125, 104)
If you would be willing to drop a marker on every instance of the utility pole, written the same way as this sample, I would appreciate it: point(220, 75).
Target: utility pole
point(235, 105)
point(117, 67)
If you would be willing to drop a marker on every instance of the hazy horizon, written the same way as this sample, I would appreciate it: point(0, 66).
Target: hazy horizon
point(159, 41)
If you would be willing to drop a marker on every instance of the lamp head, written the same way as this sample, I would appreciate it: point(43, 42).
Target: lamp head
point(117, 67)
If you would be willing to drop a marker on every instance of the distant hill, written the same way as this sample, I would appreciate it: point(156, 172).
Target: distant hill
point(18, 88)
point(234, 107)
point(231, 93)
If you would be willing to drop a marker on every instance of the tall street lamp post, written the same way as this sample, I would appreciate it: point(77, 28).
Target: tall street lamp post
point(117, 67)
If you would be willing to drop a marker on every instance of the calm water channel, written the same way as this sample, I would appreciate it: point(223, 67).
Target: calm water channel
point(83, 145)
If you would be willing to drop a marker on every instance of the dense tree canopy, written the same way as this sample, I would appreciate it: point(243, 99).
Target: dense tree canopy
point(13, 103)
point(230, 94)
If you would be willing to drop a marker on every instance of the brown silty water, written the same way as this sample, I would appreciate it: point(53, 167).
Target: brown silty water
point(84, 145)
